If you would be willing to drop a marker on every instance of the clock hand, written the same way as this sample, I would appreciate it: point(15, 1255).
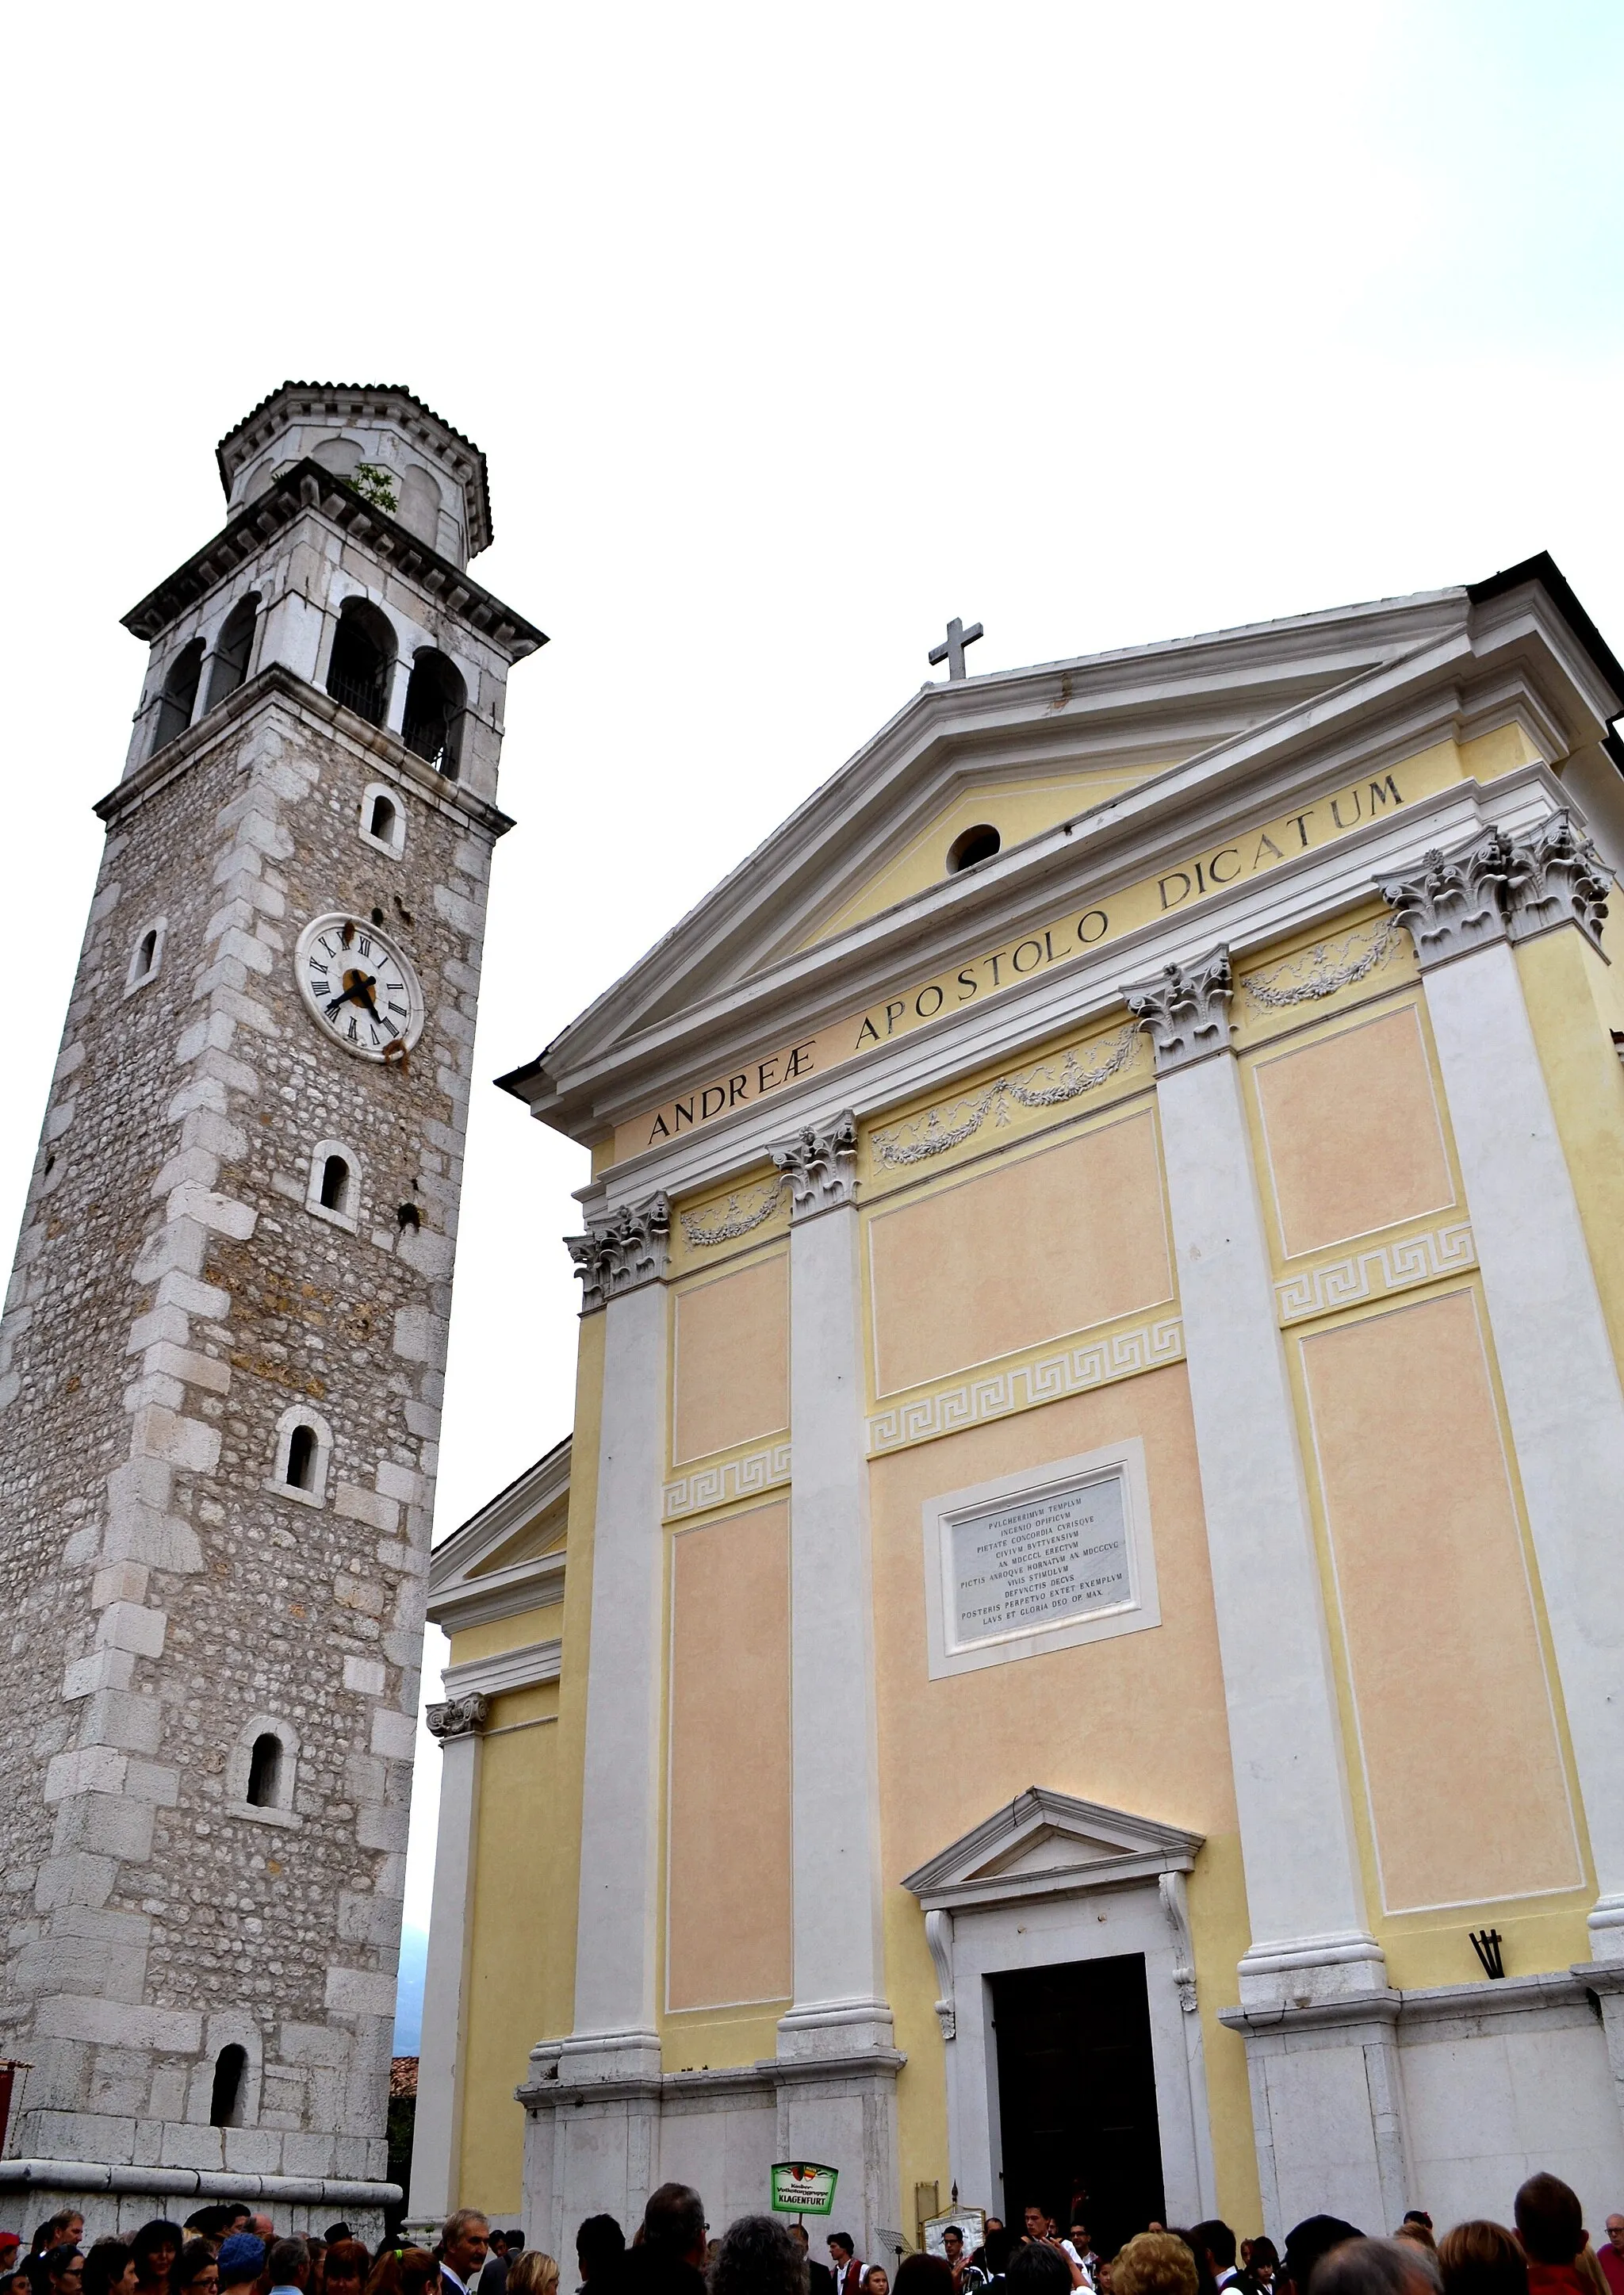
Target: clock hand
point(357, 989)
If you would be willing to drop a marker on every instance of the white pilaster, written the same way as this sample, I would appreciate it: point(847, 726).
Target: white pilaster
point(1303, 1887)
point(616, 2032)
point(438, 2136)
point(838, 2105)
point(1556, 1367)
point(1315, 2005)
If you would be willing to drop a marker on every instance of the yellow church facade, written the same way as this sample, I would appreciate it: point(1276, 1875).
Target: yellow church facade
point(1078, 1641)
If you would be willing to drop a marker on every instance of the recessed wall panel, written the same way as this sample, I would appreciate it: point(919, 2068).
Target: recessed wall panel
point(1029, 1251)
point(1353, 1134)
point(728, 1856)
point(731, 1359)
point(1468, 1793)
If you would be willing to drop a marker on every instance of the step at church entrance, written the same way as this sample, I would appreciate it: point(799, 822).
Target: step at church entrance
point(1077, 2095)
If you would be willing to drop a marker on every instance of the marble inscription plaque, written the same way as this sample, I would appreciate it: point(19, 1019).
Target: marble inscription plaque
point(1062, 1554)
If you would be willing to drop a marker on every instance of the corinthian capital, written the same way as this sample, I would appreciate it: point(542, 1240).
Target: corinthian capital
point(623, 1252)
point(1555, 878)
point(1454, 905)
point(458, 1716)
point(1186, 1008)
point(820, 1165)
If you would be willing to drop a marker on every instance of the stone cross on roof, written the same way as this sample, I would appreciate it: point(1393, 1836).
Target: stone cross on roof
point(951, 648)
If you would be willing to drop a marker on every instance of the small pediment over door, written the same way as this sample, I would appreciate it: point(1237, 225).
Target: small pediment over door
point(1049, 1845)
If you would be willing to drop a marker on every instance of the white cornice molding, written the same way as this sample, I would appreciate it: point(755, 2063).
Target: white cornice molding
point(1085, 1845)
point(500, 1594)
point(506, 1670)
point(596, 1077)
point(1294, 894)
point(457, 1597)
point(1437, 658)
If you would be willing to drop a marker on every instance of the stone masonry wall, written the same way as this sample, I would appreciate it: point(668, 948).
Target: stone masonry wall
point(173, 1298)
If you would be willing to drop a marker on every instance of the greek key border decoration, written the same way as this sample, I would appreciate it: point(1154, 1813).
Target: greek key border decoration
point(946, 1126)
point(1024, 1386)
point(1380, 1268)
point(1321, 970)
point(732, 1478)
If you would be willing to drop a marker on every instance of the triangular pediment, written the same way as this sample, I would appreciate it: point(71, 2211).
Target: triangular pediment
point(1089, 770)
point(1048, 1843)
point(512, 1556)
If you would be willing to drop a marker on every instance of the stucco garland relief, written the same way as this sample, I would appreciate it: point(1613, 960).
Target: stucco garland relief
point(955, 1120)
point(1384, 1267)
point(1024, 1387)
point(743, 1211)
point(1319, 971)
point(720, 1483)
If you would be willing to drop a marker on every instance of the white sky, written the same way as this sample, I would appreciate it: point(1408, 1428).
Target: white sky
point(788, 334)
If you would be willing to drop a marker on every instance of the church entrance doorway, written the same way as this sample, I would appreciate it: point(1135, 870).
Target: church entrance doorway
point(1077, 2095)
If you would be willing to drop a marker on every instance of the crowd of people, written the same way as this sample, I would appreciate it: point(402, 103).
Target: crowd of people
point(226, 2248)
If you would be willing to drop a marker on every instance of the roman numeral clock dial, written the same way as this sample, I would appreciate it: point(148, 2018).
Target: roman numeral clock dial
point(358, 986)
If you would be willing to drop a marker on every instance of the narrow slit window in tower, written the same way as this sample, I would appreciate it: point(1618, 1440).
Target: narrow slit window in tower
point(301, 1458)
point(382, 822)
point(236, 642)
point(226, 2104)
point(180, 694)
point(146, 955)
point(363, 656)
point(264, 1770)
point(435, 700)
point(335, 1192)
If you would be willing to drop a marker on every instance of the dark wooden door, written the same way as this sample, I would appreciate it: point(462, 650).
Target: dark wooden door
point(1077, 2094)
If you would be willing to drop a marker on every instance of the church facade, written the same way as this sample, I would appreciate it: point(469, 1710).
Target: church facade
point(1076, 1644)
point(222, 1352)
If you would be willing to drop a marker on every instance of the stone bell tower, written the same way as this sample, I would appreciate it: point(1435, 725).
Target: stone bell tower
point(221, 1357)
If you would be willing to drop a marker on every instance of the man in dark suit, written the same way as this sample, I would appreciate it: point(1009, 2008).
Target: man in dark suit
point(820, 2279)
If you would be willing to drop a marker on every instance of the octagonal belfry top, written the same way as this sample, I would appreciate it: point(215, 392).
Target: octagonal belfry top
point(438, 477)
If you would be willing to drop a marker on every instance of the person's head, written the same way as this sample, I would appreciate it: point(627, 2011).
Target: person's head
point(1378, 2266)
point(1550, 2221)
point(155, 2246)
point(1615, 2233)
point(465, 2241)
point(532, 2273)
point(1155, 2262)
point(1264, 2260)
point(1033, 2269)
point(928, 2274)
point(288, 2261)
point(842, 2247)
point(16, 2282)
point(1079, 2235)
point(673, 2223)
point(1482, 2259)
point(1215, 2240)
point(997, 2247)
point(758, 2257)
point(110, 2268)
point(1307, 2243)
point(599, 2245)
point(10, 2242)
point(405, 2270)
point(344, 2267)
point(196, 2271)
point(66, 2228)
point(516, 2242)
point(64, 2269)
point(797, 2232)
point(243, 2259)
point(952, 2242)
point(877, 2280)
point(1419, 2233)
point(1038, 2221)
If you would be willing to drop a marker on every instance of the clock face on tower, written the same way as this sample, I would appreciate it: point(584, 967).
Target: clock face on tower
point(362, 991)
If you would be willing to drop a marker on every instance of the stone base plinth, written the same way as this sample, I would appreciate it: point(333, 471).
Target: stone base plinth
point(121, 2197)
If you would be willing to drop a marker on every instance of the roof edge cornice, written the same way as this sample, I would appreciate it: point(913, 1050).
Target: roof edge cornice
point(307, 488)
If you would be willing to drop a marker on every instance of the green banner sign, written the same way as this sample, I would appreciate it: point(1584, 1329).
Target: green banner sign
point(800, 2188)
